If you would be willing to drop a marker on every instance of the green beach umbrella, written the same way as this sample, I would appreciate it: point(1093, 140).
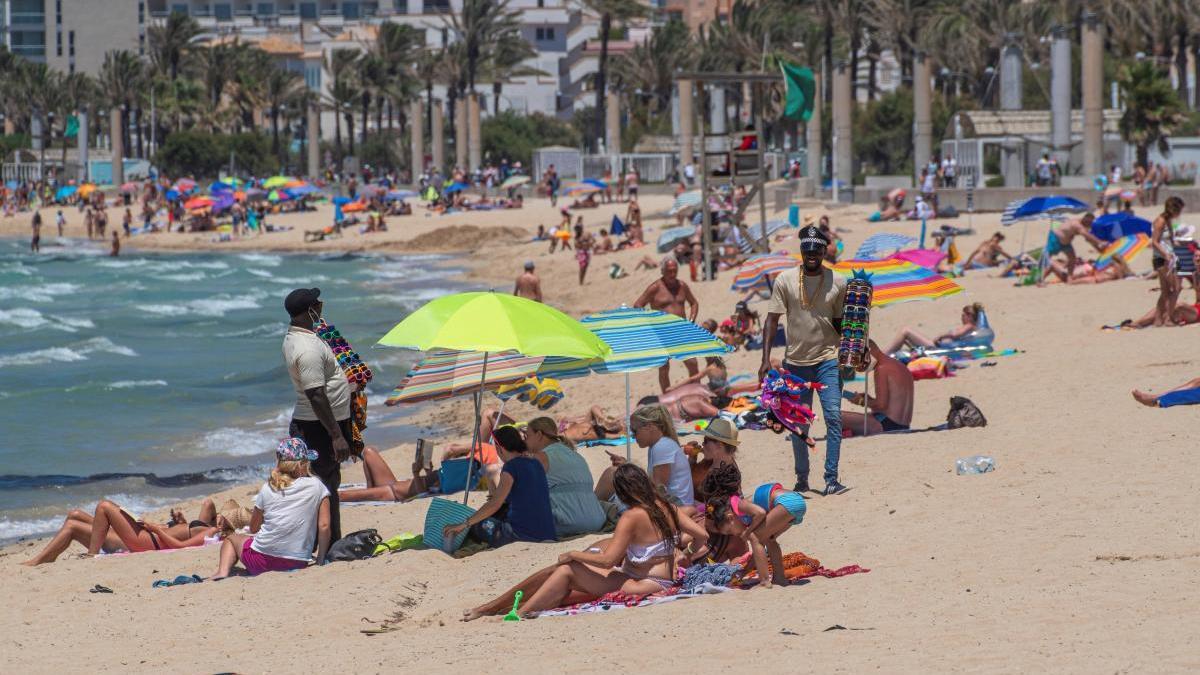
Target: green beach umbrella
point(491, 322)
point(277, 181)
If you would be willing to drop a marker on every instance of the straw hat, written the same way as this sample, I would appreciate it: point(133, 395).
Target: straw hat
point(236, 515)
point(808, 219)
point(722, 430)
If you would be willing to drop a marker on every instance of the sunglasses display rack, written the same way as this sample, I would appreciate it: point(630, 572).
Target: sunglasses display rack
point(357, 371)
point(856, 321)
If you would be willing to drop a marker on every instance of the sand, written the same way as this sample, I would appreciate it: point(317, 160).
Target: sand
point(1078, 554)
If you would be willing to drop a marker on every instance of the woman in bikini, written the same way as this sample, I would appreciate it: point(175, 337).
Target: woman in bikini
point(382, 485)
point(909, 337)
point(1162, 241)
point(111, 529)
point(640, 558)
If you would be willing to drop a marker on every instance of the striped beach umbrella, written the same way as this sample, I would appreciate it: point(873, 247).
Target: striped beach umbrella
point(580, 188)
point(1127, 246)
point(897, 280)
point(687, 200)
point(755, 230)
point(883, 244)
point(446, 373)
point(198, 203)
point(759, 270)
point(514, 181)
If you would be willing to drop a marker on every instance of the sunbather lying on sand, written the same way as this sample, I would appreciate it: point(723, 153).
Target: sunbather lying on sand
point(1187, 394)
point(640, 558)
point(1086, 273)
point(909, 337)
point(1182, 316)
point(112, 529)
point(382, 485)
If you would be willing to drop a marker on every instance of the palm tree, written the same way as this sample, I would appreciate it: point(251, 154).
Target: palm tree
point(78, 90)
point(648, 70)
point(217, 66)
point(972, 34)
point(397, 48)
point(896, 24)
point(169, 42)
point(480, 26)
point(1152, 108)
point(608, 10)
point(342, 92)
point(120, 79)
point(508, 61)
point(282, 90)
point(254, 68)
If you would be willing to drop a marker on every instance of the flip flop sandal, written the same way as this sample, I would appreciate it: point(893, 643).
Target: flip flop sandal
point(100, 589)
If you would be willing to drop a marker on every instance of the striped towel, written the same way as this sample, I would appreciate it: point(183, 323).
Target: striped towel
point(443, 512)
point(1185, 259)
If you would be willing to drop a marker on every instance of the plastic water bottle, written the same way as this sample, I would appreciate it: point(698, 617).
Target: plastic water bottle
point(974, 464)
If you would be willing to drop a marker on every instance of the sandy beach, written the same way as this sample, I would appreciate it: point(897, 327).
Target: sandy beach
point(1080, 553)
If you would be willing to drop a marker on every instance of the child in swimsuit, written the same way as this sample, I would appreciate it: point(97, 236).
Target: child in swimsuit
point(760, 521)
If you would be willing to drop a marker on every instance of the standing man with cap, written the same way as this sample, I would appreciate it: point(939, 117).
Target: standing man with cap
point(812, 296)
point(528, 285)
point(322, 413)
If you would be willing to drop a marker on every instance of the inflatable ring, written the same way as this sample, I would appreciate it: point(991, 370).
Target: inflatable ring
point(1100, 182)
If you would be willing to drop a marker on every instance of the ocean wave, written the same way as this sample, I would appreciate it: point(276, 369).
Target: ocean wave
point(217, 306)
point(241, 442)
point(266, 330)
point(132, 384)
point(75, 352)
point(305, 282)
point(262, 259)
point(29, 318)
point(15, 529)
point(39, 293)
point(184, 276)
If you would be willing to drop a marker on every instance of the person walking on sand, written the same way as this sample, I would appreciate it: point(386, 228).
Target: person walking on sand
point(321, 417)
point(669, 294)
point(812, 297)
point(552, 185)
point(35, 244)
point(1162, 241)
point(60, 221)
point(528, 284)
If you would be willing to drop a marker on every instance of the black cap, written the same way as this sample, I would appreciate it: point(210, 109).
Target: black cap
point(812, 239)
point(299, 300)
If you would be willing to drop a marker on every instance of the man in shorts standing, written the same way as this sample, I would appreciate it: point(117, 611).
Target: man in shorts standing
point(812, 297)
point(321, 417)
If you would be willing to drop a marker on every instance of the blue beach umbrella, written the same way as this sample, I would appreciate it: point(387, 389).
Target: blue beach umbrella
point(396, 195)
point(65, 192)
point(456, 187)
point(881, 245)
point(640, 339)
point(1037, 208)
point(219, 186)
point(1113, 226)
point(341, 201)
point(301, 190)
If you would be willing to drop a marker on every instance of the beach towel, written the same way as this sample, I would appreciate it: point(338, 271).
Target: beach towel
point(620, 440)
point(443, 512)
point(929, 368)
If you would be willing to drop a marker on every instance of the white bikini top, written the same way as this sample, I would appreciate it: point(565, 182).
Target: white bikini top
point(637, 554)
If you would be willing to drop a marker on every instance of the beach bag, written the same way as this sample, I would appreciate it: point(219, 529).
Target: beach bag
point(452, 475)
point(964, 413)
point(443, 512)
point(354, 546)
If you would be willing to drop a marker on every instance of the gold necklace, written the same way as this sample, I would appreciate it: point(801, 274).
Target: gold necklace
point(805, 303)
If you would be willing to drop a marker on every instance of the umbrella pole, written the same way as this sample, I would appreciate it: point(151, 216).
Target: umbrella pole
point(628, 450)
point(922, 244)
point(475, 439)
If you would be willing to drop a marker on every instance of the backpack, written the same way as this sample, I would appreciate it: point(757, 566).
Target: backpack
point(354, 546)
point(964, 413)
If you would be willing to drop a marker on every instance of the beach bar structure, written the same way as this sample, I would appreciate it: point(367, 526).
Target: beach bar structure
point(1021, 137)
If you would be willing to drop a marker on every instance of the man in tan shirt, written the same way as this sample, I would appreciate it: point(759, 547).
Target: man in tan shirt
point(812, 297)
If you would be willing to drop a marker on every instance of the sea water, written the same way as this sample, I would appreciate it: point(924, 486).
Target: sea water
point(152, 378)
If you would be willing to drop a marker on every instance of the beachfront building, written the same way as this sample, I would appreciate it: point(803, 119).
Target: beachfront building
point(71, 35)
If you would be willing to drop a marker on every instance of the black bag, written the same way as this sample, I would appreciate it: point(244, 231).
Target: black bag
point(964, 413)
point(354, 546)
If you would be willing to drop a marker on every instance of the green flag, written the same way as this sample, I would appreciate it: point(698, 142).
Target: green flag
point(801, 91)
point(72, 129)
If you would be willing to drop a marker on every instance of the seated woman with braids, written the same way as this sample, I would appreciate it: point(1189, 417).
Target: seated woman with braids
point(641, 557)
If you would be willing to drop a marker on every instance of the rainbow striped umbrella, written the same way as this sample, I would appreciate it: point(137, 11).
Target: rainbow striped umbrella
point(759, 270)
point(899, 280)
point(580, 188)
point(1128, 246)
point(447, 373)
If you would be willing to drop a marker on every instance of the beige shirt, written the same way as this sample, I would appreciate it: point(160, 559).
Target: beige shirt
point(311, 364)
point(811, 337)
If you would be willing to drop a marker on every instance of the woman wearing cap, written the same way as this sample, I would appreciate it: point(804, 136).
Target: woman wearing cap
point(719, 448)
point(291, 508)
point(112, 529)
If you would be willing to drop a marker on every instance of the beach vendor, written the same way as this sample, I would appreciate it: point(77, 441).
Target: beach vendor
point(321, 416)
point(812, 297)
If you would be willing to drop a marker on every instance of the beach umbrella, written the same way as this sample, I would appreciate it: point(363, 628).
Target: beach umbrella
point(670, 236)
point(198, 203)
point(219, 186)
point(595, 182)
point(255, 193)
point(276, 182)
point(1127, 246)
point(240, 195)
point(65, 192)
point(746, 244)
point(579, 189)
point(278, 196)
point(927, 258)
point(491, 322)
point(514, 181)
point(1037, 208)
point(354, 207)
point(455, 187)
point(640, 339)
point(294, 183)
point(687, 200)
point(759, 270)
point(397, 195)
point(877, 245)
point(896, 280)
point(341, 201)
point(222, 202)
point(1112, 226)
point(301, 190)
point(86, 190)
point(172, 194)
point(445, 373)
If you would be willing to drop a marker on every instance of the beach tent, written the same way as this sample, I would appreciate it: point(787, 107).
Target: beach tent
point(490, 322)
point(1113, 226)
